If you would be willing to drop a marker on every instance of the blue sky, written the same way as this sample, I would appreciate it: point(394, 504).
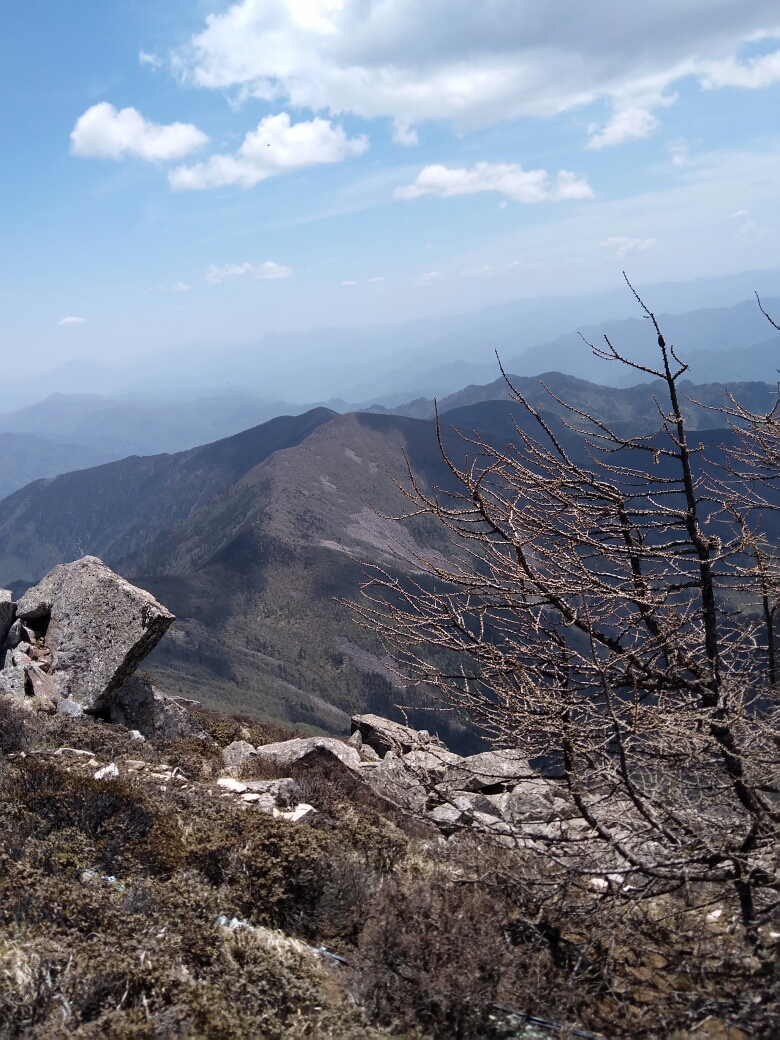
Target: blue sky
point(206, 171)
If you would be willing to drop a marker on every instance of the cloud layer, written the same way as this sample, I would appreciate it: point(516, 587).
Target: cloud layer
point(227, 272)
point(508, 178)
point(276, 146)
point(476, 62)
point(104, 133)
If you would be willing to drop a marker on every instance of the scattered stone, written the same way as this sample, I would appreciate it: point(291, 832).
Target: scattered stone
point(287, 752)
point(263, 802)
point(141, 706)
point(227, 783)
point(284, 791)
point(100, 627)
point(109, 772)
point(235, 754)
point(299, 813)
point(135, 735)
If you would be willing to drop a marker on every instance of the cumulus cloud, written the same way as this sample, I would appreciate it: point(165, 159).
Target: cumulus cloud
point(71, 321)
point(275, 147)
point(630, 123)
point(144, 58)
point(104, 133)
point(752, 74)
point(476, 62)
point(269, 269)
point(508, 178)
point(623, 246)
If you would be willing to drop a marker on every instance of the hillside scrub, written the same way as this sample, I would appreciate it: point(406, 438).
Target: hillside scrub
point(609, 607)
point(135, 909)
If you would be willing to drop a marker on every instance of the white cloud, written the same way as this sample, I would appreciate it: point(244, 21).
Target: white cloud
point(431, 276)
point(72, 321)
point(623, 246)
point(379, 278)
point(349, 283)
point(630, 123)
point(275, 147)
point(477, 62)
point(144, 58)
point(269, 269)
point(478, 272)
point(678, 152)
point(181, 287)
point(508, 178)
point(752, 74)
point(104, 133)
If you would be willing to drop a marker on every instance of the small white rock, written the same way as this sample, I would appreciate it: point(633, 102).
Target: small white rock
point(108, 772)
point(300, 812)
point(599, 882)
point(135, 735)
point(227, 783)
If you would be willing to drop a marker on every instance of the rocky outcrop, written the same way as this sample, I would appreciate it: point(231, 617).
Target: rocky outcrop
point(141, 706)
point(73, 642)
point(287, 753)
point(383, 735)
point(97, 628)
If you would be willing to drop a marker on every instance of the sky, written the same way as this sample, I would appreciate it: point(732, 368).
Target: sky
point(202, 171)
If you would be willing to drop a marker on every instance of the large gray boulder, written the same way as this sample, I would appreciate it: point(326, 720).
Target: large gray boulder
point(490, 769)
point(7, 613)
point(287, 752)
point(383, 735)
point(98, 628)
point(235, 754)
point(140, 705)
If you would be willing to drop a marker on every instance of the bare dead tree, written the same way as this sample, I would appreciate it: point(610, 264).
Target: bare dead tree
point(610, 600)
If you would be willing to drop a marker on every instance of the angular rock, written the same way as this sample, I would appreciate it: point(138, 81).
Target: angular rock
point(367, 754)
point(14, 682)
point(356, 740)
point(430, 764)
point(235, 754)
point(263, 802)
point(489, 769)
point(287, 752)
point(383, 735)
point(283, 791)
point(100, 627)
point(139, 705)
point(7, 613)
point(227, 783)
point(300, 812)
point(474, 802)
point(447, 817)
point(530, 801)
point(42, 684)
point(13, 636)
point(109, 772)
point(392, 780)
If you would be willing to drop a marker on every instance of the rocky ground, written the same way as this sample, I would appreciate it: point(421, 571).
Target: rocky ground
point(168, 871)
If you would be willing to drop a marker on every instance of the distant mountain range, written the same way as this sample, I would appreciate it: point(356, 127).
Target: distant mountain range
point(244, 540)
